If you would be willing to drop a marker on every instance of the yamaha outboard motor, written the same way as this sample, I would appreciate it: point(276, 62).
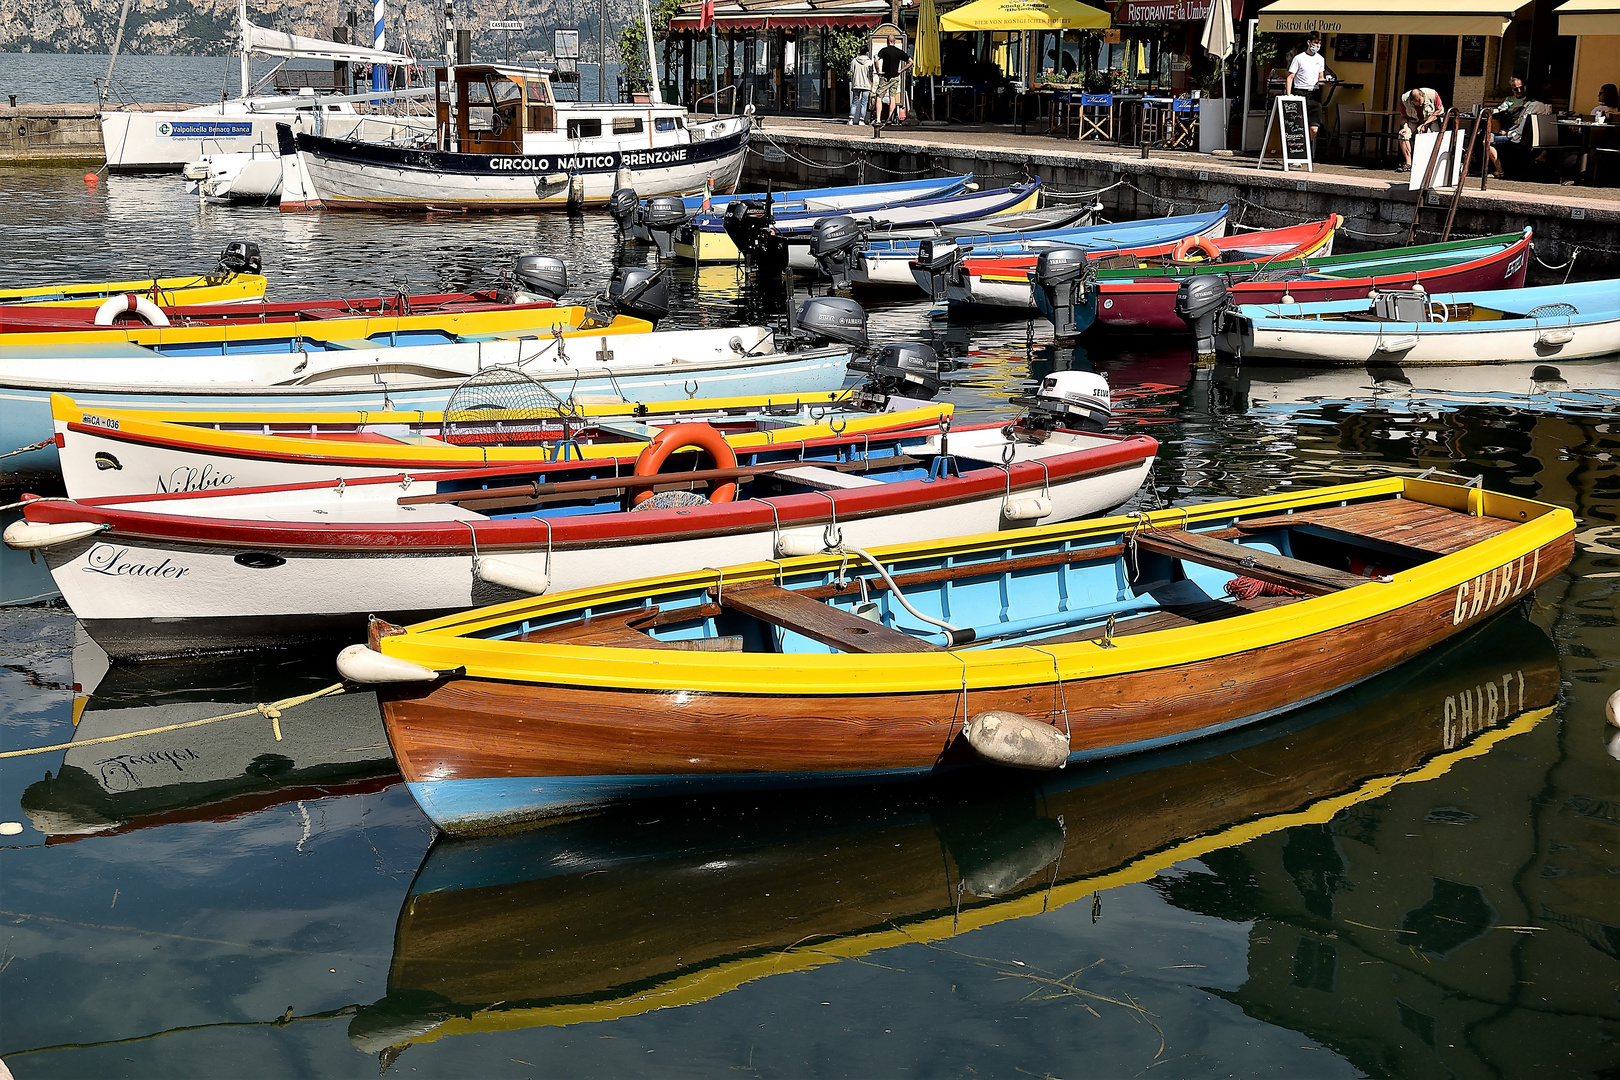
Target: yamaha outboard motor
point(538, 277)
point(1200, 300)
point(826, 320)
point(664, 215)
point(904, 375)
point(239, 257)
point(622, 204)
point(639, 292)
point(1065, 291)
point(1076, 400)
point(832, 244)
point(934, 267)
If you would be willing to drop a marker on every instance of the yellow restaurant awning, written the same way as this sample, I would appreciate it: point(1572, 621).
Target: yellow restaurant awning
point(1448, 17)
point(1578, 17)
point(1024, 15)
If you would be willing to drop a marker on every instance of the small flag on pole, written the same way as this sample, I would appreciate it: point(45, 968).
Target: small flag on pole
point(708, 188)
point(706, 17)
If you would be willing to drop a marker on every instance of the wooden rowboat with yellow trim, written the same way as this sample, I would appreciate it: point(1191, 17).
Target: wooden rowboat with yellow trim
point(235, 279)
point(1036, 649)
point(620, 913)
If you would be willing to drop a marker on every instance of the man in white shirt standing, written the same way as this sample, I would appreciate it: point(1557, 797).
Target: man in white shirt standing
point(1305, 74)
point(860, 86)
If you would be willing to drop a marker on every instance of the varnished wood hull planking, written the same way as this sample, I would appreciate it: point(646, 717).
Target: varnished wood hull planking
point(497, 935)
point(484, 752)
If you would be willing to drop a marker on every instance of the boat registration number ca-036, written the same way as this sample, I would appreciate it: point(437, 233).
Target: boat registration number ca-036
point(1494, 587)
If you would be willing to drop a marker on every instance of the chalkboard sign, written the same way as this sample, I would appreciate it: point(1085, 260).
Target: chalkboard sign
point(1471, 64)
point(1290, 121)
point(1354, 47)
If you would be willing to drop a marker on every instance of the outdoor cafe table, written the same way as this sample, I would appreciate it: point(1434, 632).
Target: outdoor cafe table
point(1585, 131)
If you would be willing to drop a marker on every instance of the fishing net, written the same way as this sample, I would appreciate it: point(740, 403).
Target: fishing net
point(505, 405)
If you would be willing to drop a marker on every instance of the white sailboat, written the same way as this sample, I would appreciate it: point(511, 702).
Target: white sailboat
point(137, 140)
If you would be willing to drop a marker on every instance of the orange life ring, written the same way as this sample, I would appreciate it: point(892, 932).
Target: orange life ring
point(678, 437)
point(1202, 246)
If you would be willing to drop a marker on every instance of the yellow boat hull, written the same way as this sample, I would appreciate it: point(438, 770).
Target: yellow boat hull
point(164, 292)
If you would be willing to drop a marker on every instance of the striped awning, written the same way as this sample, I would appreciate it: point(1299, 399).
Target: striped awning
point(785, 14)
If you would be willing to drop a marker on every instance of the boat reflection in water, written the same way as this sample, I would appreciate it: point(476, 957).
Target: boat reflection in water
point(664, 904)
point(329, 746)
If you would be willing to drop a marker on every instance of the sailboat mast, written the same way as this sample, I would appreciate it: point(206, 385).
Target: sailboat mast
point(247, 68)
point(657, 97)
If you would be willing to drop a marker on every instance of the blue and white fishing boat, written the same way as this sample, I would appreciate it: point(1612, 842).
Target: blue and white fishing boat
point(1564, 322)
point(888, 262)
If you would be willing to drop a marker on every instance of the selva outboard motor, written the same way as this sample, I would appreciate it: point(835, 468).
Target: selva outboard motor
point(934, 267)
point(1200, 299)
point(1076, 400)
point(639, 292)
point(1065, 290)
point(622, 204)
point(826, 320)
point(537, 277)
point(240, 257)
point(904, 375)
point(664, 216)
point(832, 244)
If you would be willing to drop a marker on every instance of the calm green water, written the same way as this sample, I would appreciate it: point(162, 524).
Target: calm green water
point(1417, 879)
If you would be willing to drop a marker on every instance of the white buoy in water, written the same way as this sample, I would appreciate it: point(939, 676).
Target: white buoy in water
point(363, 664)
point(1013, 739)
point(23, 535)
point(513, 574)
point(1611, 709)
point(10, 828)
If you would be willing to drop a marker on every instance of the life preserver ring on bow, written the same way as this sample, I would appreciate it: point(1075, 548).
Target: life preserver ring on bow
point(679, 437)
point(1202, 246)
point(133, 308)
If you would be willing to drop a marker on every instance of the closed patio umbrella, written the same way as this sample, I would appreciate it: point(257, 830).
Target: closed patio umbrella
point(927, 59)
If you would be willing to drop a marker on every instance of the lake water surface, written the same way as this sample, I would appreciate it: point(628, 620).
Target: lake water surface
point(1420, 878)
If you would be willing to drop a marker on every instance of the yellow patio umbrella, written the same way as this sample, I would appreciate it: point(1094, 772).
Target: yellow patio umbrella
point(927, 60)
point(1025, 15)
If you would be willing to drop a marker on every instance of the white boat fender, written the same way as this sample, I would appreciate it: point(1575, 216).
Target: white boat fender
point(1028, 508)
point(1015, 740)
point(1611, 709)
point(363, 664)
point(791, 545)
point(114, 306)
point(1613, 745)
point(25, 535)
point(1554, 336)
point(512, 574)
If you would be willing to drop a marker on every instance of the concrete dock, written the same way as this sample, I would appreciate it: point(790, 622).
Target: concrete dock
point(32, 134)
point(1578, 222)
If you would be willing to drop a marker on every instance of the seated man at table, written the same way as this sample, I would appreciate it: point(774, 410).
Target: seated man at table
point(1421, 110)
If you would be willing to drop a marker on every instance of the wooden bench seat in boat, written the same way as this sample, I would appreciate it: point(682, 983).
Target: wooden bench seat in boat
point(625, 630)
point(1247, 562)
point(1430, 530)
point(814, 476)
point(817, 621)
point(1174, 618)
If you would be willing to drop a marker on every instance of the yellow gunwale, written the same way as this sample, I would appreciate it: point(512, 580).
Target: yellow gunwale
point(710, 982)
point(439, 643)
point(165, 292)
point(186, 430)
point(541, 321)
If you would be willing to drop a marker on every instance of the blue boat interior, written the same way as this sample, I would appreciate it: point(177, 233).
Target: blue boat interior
point(1039, 593)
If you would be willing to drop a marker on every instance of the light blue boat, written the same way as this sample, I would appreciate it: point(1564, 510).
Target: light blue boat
point(841, 199)
point(731, 362)
point(1553, 322)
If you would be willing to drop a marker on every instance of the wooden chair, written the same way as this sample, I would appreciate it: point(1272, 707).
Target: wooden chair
point(1353, 131)
point(1155, 123)
point(1183, 133)
point(1097, 117)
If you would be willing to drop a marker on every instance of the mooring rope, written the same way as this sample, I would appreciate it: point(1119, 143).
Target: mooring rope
point(29, 447)
point(271, 712)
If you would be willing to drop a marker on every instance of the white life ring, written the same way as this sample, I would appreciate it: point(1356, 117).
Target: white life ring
point(144, 309)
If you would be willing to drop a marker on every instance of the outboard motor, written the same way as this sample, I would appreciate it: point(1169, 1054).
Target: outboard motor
point(832, 245)
point(538, 277)
point(1065, 290)
point(904, 375)
point(1199, 301)
point(239, 257)
point(622, 204)
point(746, 222)
point(664, 215)
point(934, 267)
point(1076, 400)
point(826, 320)
point(639, 292)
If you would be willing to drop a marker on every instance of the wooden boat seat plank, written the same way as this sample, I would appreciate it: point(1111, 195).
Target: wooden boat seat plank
point(586, 631)
point(1175, 618)
point(1432, 529)
point(817, 621)
point(1247, 562)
